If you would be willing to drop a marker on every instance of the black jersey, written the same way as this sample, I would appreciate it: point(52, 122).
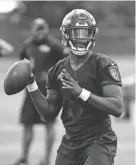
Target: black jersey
point(42, 54)
point(82, 121)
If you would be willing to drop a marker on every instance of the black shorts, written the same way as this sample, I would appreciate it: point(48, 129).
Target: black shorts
point(29, 114)
point(99, 152)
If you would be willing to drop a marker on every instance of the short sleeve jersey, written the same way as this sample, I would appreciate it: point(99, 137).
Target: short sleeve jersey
point(43, 54)
point(82, 121)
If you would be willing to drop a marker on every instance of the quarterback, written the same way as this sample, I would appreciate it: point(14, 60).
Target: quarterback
point(86, 86)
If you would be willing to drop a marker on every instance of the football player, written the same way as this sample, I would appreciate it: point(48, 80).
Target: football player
point(43, 50)
point(87, 85)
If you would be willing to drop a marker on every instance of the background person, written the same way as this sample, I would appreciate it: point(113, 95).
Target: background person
point(43, 51)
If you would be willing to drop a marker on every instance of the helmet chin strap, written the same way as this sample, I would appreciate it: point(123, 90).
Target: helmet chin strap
point(79, 52)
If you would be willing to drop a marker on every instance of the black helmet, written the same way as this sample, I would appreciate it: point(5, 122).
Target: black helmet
point(78, 31)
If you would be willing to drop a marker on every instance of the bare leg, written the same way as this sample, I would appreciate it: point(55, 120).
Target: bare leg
point(27, 139)
point(50, 137)
point(50, 140)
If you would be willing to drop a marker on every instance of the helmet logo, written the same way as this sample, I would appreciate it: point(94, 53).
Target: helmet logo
point(81, 24)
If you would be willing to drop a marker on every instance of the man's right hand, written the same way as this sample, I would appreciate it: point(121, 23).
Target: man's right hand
point(32, 79)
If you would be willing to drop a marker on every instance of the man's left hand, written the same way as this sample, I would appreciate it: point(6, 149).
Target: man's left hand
point(69, 83)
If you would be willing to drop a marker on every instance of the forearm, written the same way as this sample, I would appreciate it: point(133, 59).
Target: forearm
point(48, 107)
point(41, 104)
point(109, 105)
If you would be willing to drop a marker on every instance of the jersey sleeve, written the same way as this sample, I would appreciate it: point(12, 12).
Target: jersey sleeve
point(108, 72)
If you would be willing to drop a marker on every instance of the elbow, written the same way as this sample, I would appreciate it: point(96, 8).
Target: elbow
point(119, 112)
point(119, 109)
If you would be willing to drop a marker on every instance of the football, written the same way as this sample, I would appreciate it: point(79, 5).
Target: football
point(17, 77)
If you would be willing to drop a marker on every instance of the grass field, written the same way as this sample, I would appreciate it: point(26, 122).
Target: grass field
point(11, 131)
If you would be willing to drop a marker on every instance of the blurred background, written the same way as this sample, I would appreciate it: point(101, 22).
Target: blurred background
point(116, 38)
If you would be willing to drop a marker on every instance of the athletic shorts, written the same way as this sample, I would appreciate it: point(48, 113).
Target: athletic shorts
point(29, 114)
point(99, 152)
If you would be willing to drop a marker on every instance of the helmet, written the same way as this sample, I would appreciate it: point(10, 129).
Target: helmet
point(78, 31)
